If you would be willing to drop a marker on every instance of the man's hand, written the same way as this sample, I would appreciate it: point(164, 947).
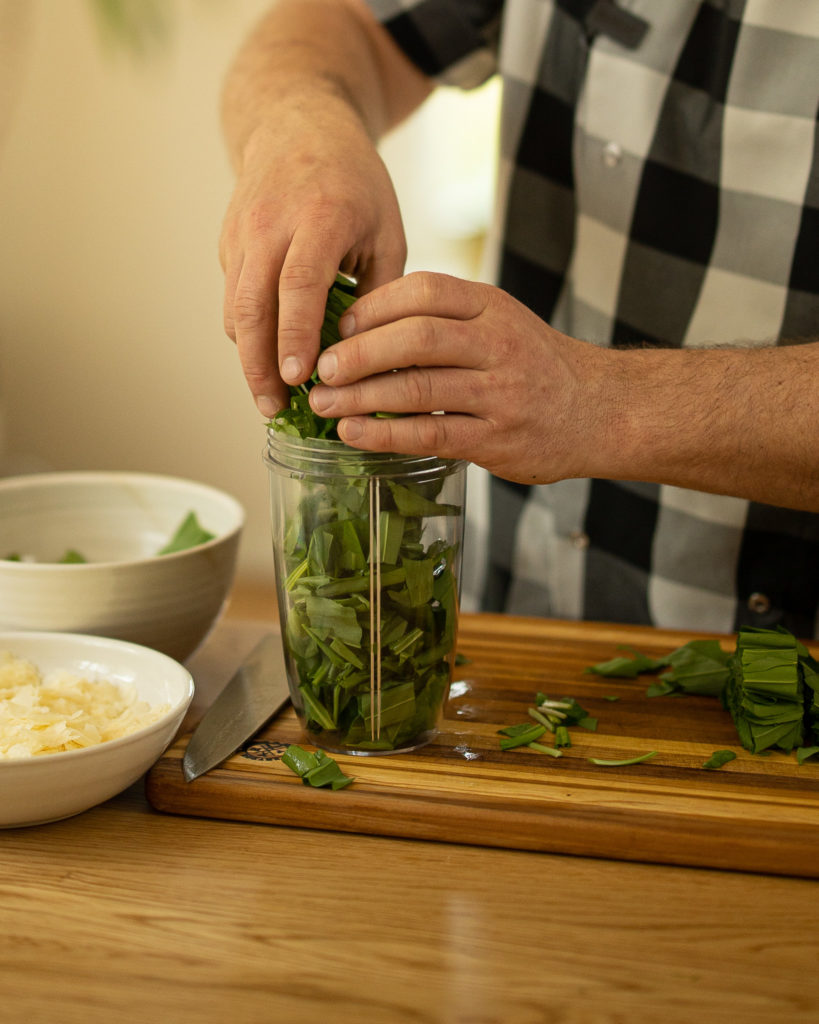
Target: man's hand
point(534, 405)
point(317, 83)
point(306, 204)
point(519, 397)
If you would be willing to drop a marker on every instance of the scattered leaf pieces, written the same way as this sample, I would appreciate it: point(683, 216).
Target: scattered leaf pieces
point(719, 758)
point(318, 770)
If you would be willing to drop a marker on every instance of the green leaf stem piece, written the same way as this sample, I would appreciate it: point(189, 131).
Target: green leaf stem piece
point(520, 735)
point(541, 749)
point(627, 667)
point(622, 763)
point(719, 758)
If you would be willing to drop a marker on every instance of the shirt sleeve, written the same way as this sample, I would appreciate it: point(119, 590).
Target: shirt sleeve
point(453, 41)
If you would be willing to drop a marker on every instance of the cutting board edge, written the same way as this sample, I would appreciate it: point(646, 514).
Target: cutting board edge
point(708, 844)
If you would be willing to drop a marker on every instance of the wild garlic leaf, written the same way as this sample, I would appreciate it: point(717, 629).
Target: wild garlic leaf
point(605, 762)
point(719, 758)
point(318, 770)
point(189, 534)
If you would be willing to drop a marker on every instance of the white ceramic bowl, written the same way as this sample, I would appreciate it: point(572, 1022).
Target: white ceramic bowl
point(118, 521)
point(48, 787)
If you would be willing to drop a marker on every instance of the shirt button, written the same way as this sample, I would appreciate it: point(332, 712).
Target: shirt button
point(759, 603)
point(579, 539)
point(612, 154)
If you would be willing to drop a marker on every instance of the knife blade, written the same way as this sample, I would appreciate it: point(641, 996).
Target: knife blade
point(252, 696)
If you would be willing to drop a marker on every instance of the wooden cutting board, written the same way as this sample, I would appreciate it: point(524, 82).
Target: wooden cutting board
point(757, 813)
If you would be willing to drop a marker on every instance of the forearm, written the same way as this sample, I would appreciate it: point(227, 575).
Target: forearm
point(328, 50)
point(738, 421)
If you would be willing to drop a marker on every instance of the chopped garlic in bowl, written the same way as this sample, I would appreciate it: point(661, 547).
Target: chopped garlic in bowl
point(81, 719)
point(63, 710)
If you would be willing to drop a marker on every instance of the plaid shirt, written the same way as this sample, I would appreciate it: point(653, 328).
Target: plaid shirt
point(658, 184)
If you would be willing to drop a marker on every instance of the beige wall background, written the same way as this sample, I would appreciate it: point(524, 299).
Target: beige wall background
point(113, 183)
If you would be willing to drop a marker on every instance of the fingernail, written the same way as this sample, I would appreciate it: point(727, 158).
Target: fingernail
point(351, 429)
point(290, 369)
point(346, 325)
point(327, 365)
point(321, 399)
point(266, 406)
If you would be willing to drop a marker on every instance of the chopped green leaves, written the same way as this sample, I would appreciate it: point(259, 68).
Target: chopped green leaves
point(605, 762)
point(766, 693)
point(627, 667)
point(348, 618)
point(189, 534)
point(520, 735)
point(541, 749)
point(299, 420)
point(72, 557)
point(700, 666)
point(719, 758)
point(769, 684)
point(548, 715)
point(318, 770)
point(369, 598)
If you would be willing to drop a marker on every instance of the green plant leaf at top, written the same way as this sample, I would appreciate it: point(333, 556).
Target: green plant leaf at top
point(189, 534)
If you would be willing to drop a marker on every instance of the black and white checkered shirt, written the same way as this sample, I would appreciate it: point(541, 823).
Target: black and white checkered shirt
point(658, 184)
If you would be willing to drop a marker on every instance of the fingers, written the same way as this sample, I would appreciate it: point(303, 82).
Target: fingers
point(300, 211)
point(444, 436)
point(302, 296)
point(274, 307)
point(420, 294)
point(415, 390)
point(253, 312)
point(251, 269)
point(422, 341)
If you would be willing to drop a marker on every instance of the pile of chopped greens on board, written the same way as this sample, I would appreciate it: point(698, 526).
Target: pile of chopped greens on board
point(769, 684)
point(326, 610)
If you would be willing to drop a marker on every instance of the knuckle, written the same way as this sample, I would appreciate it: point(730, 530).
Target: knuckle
point(478, 388)
point(296, 277)
point(418, 390)
point(250, 311)
point(424, 288)
point(429, 432)
point(353, 395)
point(426, 339)
point(257, 375)
point(351, 359)
point(261, 220)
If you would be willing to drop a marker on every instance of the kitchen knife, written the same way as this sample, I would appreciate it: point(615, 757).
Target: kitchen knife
point(255, 693)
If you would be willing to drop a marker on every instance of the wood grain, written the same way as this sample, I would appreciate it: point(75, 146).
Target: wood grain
point(755, 814)
point(123, 914)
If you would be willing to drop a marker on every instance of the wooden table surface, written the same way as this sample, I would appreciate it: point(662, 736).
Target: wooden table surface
point(126, 914)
